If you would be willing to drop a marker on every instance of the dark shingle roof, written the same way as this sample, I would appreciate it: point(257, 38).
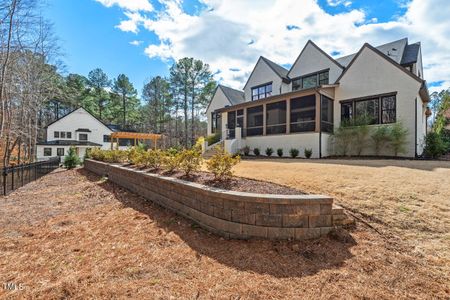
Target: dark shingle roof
point(394, 50)
point(282, 72)
point(234, 96)
point(69, 143)
point(411, 54)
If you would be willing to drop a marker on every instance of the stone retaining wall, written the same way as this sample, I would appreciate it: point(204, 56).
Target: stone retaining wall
point(227, 213)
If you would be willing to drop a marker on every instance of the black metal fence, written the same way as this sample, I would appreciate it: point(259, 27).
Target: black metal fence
point(17, 176)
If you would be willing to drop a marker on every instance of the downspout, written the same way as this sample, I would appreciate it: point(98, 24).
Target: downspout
point(415, 129)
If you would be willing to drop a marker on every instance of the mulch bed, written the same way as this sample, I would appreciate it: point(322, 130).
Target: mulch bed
point(237, 184)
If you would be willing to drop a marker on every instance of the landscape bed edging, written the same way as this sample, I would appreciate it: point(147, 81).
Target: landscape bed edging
point(228, 213)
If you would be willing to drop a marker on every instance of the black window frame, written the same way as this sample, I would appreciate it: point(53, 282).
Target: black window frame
point(68, 134)
point(380, 100)
point(58, 152)
point(83, 134)
point(62, 134)
point(47, 149)
point(265, 93)
point(255, 130)
point(297, 82)
point(56, 134)
point(326, 125)
point(106, 138)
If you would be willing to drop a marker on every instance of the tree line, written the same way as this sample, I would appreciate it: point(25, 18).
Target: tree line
point(34, 91)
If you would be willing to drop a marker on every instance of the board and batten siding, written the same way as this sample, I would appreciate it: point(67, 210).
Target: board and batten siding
point(219, 100)
point(371, 74)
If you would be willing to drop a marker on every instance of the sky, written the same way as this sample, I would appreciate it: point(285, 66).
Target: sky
point(142, 38)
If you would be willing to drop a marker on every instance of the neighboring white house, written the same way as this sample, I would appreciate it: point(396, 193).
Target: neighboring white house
point(79, 129)
point(300, 108)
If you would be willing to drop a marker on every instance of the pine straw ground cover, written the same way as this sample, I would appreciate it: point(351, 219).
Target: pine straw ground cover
point(74, 235)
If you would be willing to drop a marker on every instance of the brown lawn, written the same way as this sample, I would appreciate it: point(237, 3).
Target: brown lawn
point(73, 235)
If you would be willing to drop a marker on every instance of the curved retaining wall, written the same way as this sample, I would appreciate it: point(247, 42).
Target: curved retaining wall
point(227, 213)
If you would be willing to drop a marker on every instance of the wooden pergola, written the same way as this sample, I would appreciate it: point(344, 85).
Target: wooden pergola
point(115, 136)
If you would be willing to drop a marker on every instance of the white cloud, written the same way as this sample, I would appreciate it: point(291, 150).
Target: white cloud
point(136, 43)
point(346, 3)
point(221, 34)
point(130, 5)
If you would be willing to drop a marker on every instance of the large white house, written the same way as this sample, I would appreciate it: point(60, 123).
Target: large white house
point(300, 108)
point(79, 129)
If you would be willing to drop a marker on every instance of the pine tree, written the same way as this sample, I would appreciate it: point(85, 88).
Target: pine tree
point(71, 160)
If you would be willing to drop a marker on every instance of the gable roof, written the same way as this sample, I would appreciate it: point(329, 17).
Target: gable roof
point(394, 50)
point(81, 107)
point(233, 96)
point(277, 69)
point(386, 57)
point(320, 50)
point(411, 54)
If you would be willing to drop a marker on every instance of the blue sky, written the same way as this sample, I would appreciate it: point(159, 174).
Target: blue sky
point(141, 38)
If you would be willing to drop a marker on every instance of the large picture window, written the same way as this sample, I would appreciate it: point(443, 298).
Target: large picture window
point(255, 120)
point(310, 81)
point(378, 109)
point(276, 118)
point(303, 114)
point(261, 92)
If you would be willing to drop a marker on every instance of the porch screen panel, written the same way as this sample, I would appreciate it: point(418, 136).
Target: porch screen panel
point(303, 114)
point(327, 114)
point(231, 124)
point(255, 120)
point(276, 118)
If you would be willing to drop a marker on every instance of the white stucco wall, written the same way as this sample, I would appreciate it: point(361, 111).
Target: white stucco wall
point(80, 119)
point(218, 101)
point(300, 141)
point(263, 74)
point(312, 60)
point(370, 75)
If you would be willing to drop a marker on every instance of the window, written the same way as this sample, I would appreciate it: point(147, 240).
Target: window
point(262, 91)
point(83, 137)
point(379, 110)
point(303, 114)
point(388, 110)
point(47, 151)
point(311, 80)
point(56, 134)
point(255, 120)
point(106, 138)
point(276, 118)
point(69, 135)
point(60, 151)
point(368, 108)
point(62, 134)
point(327, 114)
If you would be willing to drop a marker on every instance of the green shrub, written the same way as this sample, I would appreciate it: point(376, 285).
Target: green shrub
point(308, 153)
point(190, 161)
point(136, 156)
point(269, 151)
point(171, 160)
point(293, 152)
point(280, 152)
point(115, 156)
point(398, 135)
point(71, 160)
point(246, 150)
point(221, 164)
point(154, 159)
point(97, 154)
point(380, 138)
point(434, 145)
point(212, 139)
point(256, 151)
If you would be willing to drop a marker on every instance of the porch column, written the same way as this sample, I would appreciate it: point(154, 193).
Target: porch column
point(317, 112)
point(288, 116)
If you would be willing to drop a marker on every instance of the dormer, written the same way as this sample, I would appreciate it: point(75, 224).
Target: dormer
point(267, 79)
point(412, 59)
point(313, 67)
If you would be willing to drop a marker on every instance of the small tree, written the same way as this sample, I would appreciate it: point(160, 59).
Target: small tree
point(434, 145)
point(190, 161)
point(71, 160)
point(398, 136)
point(380, 137)
point(221, 164)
